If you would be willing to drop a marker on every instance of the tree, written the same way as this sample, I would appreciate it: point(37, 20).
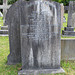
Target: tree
point(65, 2)
point(11, 1)
point(1, 2)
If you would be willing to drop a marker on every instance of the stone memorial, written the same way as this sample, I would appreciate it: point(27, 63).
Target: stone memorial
point(4, 28)
point(69, 30)
point(40, 27)
point(13, 22)
point(5, 6)
point(62, 14)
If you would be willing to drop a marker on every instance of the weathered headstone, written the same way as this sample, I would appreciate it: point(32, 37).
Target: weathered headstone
point(62, 14)
point(73, 20)
point(69, 30)
point(40, 37)
point(13, 22)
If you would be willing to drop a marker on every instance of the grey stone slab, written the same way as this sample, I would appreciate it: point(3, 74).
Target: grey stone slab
point(68, 33)
point(40, 34)
point(3, 31)
point(41, 71)
point(68, 49)
point(13, 22)
point(62, 14)
point(4, 35)
point(4, 27)
point(70, 11)
point(69, 28)
point(71, 17)
point(34, 34)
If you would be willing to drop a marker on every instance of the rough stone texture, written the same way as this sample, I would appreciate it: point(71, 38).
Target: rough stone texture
point(40, 34)
point(13, 22)
point(70, 20)
point(73, 20)
point(40, 71)
point(70, 11)
point(68, 49)
point(62, 14)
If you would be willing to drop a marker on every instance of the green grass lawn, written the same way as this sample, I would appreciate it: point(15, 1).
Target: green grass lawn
point(1, 22)
point(4, 51)
point(68, 66)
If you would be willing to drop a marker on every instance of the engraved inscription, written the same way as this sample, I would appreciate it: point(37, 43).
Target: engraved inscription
point(39, 26)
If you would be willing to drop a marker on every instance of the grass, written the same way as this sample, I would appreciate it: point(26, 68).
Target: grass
point(1, 22)
point(4, 51)
point(68, 66)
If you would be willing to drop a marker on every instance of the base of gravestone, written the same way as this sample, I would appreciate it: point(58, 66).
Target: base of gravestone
point(68, 31)
point(68, 36)
point(13, 60)
point(40, 71)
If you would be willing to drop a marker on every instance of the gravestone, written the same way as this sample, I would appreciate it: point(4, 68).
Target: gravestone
point(4, 7)
point(62, 14)
point(13, 22)
point(73, 20)
point(4, 28)
point(69, 30)
point(40, 27)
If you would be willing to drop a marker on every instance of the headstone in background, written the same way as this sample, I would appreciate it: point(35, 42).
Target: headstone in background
point(66, 8)
point(4, 7)
point(4, 28)
point(69, 30)
point(40, 37)
point(73, 19)
point(62, 14)
point(13, 22)
point(64, 19)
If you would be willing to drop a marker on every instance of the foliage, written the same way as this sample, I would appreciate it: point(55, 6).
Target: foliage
point(1, 22)
point(65, 2)
point(1, 1)
point(11, 1)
